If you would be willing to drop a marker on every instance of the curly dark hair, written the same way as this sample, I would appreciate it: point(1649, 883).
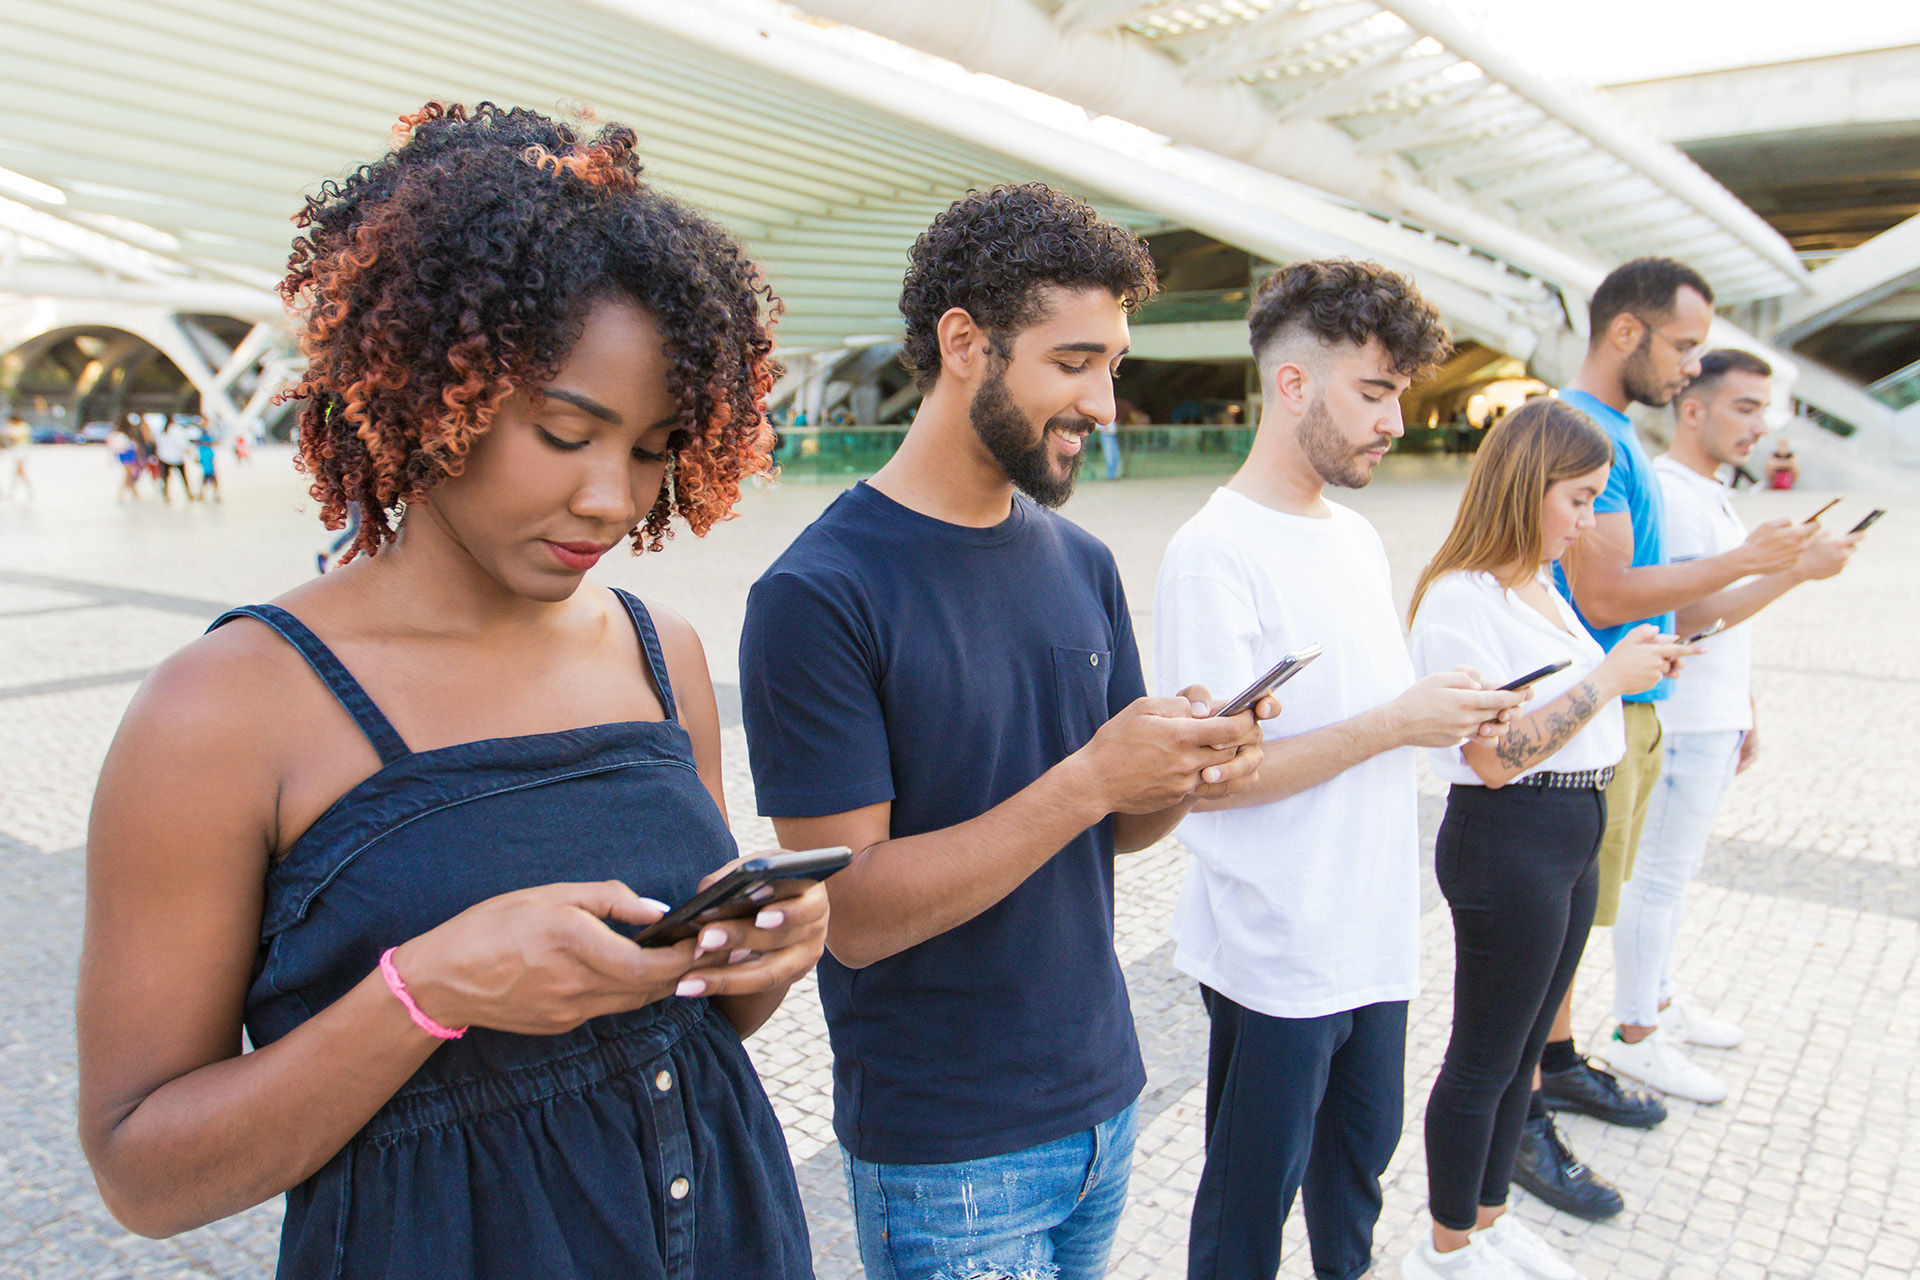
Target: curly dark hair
point(990, 252)
point(1341, 300)
point(461, 265)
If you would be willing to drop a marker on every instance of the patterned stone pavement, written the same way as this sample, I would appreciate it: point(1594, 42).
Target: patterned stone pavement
point(1804, 926)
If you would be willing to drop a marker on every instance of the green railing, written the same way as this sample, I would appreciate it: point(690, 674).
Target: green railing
point(1197, 305)
point(828, 453)
point(1898, 390)
point(825, 453)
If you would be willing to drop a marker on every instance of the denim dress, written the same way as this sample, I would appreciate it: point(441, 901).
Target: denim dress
point(639, 1144)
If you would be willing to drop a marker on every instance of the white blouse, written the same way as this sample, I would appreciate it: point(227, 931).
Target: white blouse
point(1470, 620)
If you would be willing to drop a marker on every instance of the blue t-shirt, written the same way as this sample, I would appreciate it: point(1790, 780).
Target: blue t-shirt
point(1632, 488)
point(889, 656)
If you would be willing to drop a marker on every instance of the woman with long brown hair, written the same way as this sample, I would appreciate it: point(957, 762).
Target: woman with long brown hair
point(1516, 851)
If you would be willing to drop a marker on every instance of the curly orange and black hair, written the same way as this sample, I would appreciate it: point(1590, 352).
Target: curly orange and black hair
point(461, 265)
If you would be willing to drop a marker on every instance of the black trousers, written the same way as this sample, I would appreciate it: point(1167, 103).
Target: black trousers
point(1519, 868)
point(1307, 1106)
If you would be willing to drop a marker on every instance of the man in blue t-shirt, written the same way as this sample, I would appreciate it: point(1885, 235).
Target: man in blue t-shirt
point(941, 674)
point(1648, 325)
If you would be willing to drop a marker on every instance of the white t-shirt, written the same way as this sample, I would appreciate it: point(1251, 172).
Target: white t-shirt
point(1309, 905)
point(1711, 693)
point(1470, 620)
point(171, 447)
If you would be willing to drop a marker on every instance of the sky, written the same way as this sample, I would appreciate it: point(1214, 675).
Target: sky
point(1607, 41)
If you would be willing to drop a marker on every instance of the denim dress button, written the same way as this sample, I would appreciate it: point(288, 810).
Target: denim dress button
point(1093, 659)
point(678, 1188)
point(663, 1081)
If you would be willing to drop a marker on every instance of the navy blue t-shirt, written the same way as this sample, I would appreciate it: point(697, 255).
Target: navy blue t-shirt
point(889, 656)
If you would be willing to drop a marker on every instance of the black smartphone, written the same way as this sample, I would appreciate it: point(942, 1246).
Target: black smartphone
point(1815, 517)
point(1719, 625)
point(1277, 675)
point(730, 897)
point(1866, 521)
point(1514, 686)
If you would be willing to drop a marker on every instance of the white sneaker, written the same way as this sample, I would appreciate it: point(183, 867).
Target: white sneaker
point(1656, 1062)
point(1697, 1026)
point(1478, 1261)
point(1519, 1244)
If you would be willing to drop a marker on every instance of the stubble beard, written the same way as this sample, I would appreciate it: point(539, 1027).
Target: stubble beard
point(1636, 377)
point(1332, 458)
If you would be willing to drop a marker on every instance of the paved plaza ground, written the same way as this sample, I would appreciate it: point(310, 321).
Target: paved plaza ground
point(1803, 928)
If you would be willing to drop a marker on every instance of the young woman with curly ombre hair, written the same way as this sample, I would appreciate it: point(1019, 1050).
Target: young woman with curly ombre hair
point(446, 773)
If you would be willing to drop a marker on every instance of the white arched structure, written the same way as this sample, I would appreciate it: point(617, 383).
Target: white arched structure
point(151, 154)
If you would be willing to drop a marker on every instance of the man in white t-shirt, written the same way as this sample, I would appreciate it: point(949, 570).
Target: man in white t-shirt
point(170, 450)
point(1706, 724)
point(1300, 913)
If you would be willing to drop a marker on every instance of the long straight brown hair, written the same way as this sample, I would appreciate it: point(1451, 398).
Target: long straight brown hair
point(1533, 448)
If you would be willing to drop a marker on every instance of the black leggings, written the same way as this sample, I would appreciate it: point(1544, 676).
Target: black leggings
point(1518, 867)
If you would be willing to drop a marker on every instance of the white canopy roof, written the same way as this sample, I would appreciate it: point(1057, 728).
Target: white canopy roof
point(154, 150)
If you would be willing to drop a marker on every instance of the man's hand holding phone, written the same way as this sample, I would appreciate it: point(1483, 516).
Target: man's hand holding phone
point(1449, 707)
point(1826, 556)
point(1159, 752)
point(1775, 546)
point(1641, 659)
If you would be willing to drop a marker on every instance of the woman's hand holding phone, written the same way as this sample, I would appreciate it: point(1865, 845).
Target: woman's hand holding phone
point(541, 961)
point(772, 949)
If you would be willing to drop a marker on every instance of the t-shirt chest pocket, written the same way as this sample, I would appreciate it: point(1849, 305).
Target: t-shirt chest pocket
point(1080, 678)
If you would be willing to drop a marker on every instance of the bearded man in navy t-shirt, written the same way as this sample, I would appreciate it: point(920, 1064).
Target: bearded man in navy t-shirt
point(940, 673)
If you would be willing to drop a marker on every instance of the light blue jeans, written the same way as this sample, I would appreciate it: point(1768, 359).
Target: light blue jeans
point(1694, 775)
point(1046, 1213)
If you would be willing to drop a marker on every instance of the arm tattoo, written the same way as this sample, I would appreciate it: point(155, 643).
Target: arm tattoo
point(1527, 743)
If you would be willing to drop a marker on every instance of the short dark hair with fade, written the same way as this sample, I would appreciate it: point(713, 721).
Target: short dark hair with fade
point(991, 252)
point(1341, 300)
point(1715, 366)
point(1646, 287)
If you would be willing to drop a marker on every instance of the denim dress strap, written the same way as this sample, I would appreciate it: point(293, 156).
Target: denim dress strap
point(650, 642)
point(372, 721)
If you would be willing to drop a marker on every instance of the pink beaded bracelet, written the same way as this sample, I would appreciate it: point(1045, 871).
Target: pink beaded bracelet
point(407, 1002)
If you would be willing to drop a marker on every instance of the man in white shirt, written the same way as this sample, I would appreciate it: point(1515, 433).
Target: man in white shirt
point(1706, 724)
point(170, 449)
point(1300, 912)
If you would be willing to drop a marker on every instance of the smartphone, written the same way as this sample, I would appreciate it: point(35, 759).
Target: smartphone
point(1281, 672)
point(1867, 521)
point(1815, 517)
point(1514, 686)
point(728, 898)
point(1719, 625)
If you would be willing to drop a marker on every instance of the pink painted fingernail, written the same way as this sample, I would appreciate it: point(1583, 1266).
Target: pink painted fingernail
point(761, 894)
point(712, 939)
point(691, 987)
point(738, 954)
point(772, 918)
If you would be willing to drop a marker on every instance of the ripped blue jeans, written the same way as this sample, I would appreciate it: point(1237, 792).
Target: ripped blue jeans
point(1046, 1213)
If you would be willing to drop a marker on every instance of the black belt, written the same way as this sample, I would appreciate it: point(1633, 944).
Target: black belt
point(1586, 779)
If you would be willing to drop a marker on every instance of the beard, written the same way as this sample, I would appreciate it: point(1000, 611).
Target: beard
point(1637, 377)
point(1008, 436)
point(1332, 455)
